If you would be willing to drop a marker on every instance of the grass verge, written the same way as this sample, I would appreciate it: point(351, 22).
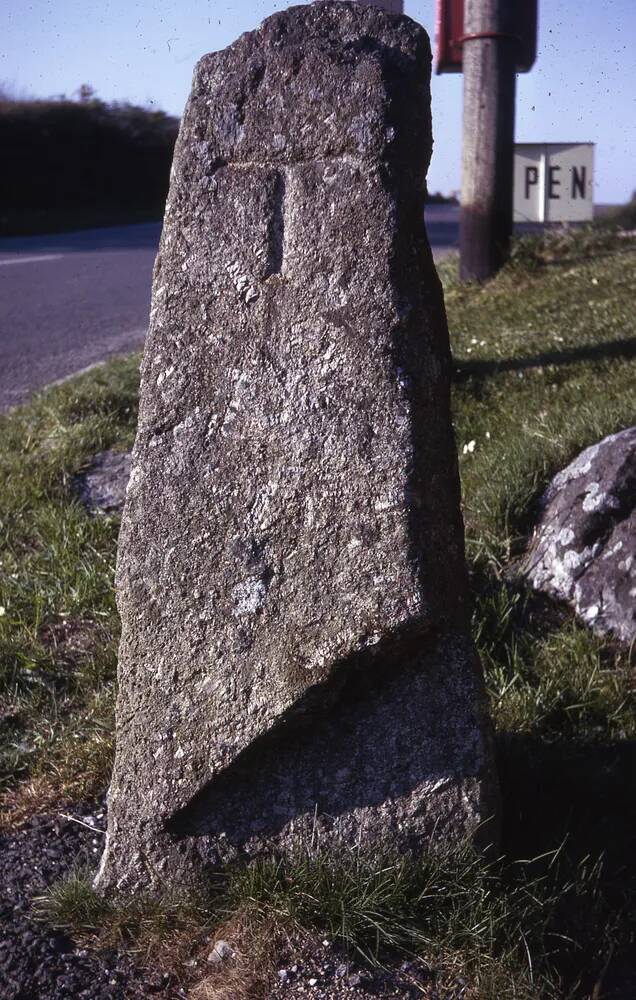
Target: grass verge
point(511, 930)
point(545, 365)
point(58, 622)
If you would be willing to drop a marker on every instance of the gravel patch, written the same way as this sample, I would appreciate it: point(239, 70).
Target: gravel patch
point(321, 972)
point(36, 961)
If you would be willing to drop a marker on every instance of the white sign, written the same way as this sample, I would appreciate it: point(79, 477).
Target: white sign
point(554, 182)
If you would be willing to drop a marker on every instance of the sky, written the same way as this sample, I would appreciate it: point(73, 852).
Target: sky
point(581, 89)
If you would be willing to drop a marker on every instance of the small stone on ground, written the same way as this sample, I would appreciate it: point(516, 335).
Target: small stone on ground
point(103, 486)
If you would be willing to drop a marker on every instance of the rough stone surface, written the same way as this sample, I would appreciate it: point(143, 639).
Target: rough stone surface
point(392, 6)
point(103, 486)
point(295, 661)
point(584, 548)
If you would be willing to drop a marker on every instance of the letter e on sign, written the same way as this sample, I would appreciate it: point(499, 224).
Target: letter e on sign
point(554, 182)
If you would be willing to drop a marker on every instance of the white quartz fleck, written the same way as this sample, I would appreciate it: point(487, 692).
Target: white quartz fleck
point(249, 596)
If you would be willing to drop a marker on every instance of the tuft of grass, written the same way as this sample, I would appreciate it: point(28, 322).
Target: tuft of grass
point(73, 905)
point(173, 933)
point(546, 674)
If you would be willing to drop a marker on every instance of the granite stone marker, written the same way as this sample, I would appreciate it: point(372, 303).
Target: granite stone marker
point(295, 663)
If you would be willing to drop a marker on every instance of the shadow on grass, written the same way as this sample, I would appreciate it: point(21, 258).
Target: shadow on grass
point(567, 780)
point(624, 349)
point(508, 606)
point(577, 790)
point(581, 795)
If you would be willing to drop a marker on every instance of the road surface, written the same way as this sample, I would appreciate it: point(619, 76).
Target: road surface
point(68, 301)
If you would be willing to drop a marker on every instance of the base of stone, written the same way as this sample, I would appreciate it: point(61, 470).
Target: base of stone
point(401, 761)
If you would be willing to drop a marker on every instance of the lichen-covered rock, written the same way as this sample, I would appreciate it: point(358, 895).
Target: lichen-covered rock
point(584, 548)
point(295, 659)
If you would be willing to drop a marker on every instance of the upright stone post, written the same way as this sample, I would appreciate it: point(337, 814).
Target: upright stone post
point(296, 665)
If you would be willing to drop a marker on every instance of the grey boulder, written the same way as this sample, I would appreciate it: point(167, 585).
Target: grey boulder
point(584, 547)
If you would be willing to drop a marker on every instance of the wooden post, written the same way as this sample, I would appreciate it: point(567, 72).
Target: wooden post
point(489, 62)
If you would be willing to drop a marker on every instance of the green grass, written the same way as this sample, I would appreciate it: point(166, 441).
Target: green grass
point(58, 627)
point(511, 930)
point(501, 927)
point(545, 359)
point(546, 365)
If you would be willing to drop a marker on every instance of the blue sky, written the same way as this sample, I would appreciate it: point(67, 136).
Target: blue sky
point(583, 86)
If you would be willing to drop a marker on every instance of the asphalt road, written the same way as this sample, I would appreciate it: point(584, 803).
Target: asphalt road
point(68, 301)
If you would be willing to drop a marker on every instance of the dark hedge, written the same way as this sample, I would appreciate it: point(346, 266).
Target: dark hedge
point(60, 156)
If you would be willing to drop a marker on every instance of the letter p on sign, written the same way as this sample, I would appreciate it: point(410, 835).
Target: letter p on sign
point(554, 182)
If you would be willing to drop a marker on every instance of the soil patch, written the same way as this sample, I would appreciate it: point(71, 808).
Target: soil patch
point(37, 961)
